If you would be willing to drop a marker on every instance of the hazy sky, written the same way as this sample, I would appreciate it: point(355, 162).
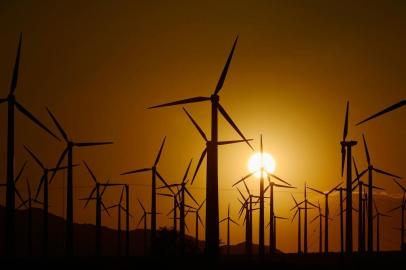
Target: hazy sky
point(98, 64)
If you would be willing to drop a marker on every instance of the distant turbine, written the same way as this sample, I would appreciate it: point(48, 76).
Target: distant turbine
point(371, 169)
point(228, 219)
point(326, 210)
point(44, 183)
point(378, 215)
point(154, 175)
point(402, 208)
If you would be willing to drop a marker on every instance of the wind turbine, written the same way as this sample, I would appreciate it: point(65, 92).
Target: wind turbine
point(320, 216)
point(144, 218)
point(182, 192)
point(340, 190)
point(274, 227)
point(305, 208)
point(247, 206)
point(29, 201)
point(197, 221)
point(370, 171)
point(386, 110)
point(154, 175)
point(361, 214)
point(299, 230)
point(44, 182)
point(174, 210)
point(70, 144)
point(378, 215)
point(120, 208)
point(346, 154)
point(271, 186)
point(262, 171)
point(402, 208)
point(212, 205)
point(99, 205)
point(326, 210)
point(228, 219)
point(13, 104)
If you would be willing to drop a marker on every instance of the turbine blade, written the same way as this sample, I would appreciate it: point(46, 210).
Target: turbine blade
point(294, 215)
point(356, 169)
point(141, 205)
point(141, 219)
point(343, 153)
point(200, 220)
point(90, 172)
point(34, 119)
point(136, 171)
point(396, 208)
point(28, 188)
point(242, 179)
point(183, 101)
point(89, 197)
point(160, 152)
point(345, 132)
point(14, 80)
point(283, 186)
point(121, 196)
point(386, 173)
point(104, 188)
point(201, 205)
point(232, 142)
point(198, 165)
point(86, 144)
point(315, 218)
point(34, 157)
point(402, 187)
point(386, 110)
point(294, 200)
point(63, 133)
point(190, 195)
point(222, 220)
point(162, 179)
point(39, 186)
point(225, 69)
point(58, 164)
point(334, 188)
point(18, 195)
point(20, 172)
point(187, 171)
point(239, 191)
point(196, 125)
point(105, 208)
point(366, 150)
point(231, 122)
point(234, 222)
point(315, 190)
point(280, 179)
point(164, 194)
point(311, 204)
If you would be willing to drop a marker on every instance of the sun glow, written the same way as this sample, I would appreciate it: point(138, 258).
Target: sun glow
point(267, 162)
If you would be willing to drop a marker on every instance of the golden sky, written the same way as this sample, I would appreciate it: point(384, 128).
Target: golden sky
point(98, 64)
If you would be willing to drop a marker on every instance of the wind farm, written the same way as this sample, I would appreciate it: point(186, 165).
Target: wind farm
point(252, 144)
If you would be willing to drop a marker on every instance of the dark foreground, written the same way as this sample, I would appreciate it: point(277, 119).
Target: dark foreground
point(386, 261)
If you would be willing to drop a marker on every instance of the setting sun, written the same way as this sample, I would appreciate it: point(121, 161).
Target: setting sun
point(268, 163)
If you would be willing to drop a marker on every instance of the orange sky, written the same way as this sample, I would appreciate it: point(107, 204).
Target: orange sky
point(97, 65)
